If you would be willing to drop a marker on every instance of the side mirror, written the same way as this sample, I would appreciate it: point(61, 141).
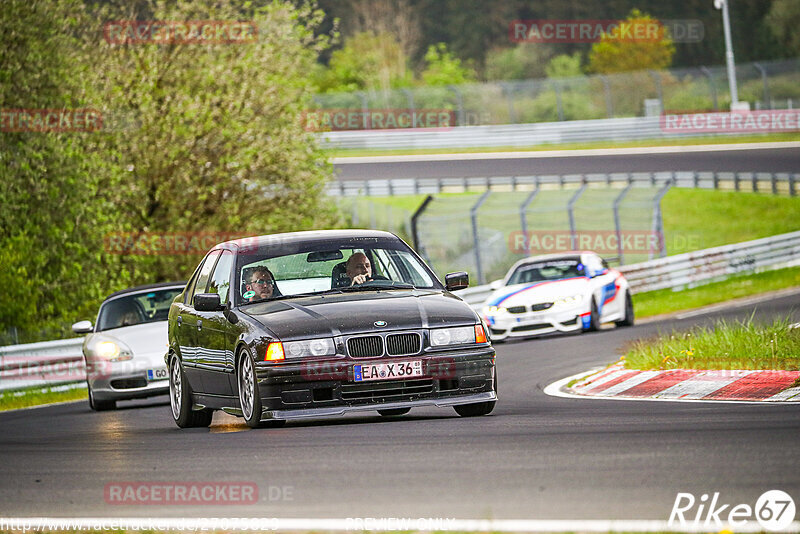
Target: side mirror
point(458, 280)
point(497, 284)
point(83, 327)
point(207, 302)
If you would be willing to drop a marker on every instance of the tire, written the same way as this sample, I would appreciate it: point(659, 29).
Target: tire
point(594, 319)
point(629, 315)
point(394, 412)
point(180, 399)
point(98, 405)
point(249, 398)
point(478, 408)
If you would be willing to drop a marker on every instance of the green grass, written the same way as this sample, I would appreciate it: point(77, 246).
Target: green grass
point(23, 398)
point(668, 301)
point(704, 140)
point(726, 345)
point(695, 219)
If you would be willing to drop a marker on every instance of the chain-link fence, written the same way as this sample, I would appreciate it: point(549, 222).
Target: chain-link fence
point(765, 85)
point(486, 233)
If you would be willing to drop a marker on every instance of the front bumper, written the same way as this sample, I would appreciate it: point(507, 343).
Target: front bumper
point(313, 389)
point(126, 380)
point(535, 323)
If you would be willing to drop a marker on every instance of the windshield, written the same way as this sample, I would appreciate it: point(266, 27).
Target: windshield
point(332, 266)
point(547, 270)
point(138, 308)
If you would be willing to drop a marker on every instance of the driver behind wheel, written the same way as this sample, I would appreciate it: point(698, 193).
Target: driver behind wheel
point(358, 268)
point(260, 285)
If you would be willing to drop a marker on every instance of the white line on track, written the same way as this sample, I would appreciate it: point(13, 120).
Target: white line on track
point(629, 151)
point(375, 524)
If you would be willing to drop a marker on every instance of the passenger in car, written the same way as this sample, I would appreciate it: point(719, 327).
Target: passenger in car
point(262, 283)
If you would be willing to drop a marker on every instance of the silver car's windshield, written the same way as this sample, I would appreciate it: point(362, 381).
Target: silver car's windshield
point(135, 309)
point(336, 266)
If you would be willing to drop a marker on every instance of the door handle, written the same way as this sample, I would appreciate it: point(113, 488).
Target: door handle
point(199, 324)
point(179, 320)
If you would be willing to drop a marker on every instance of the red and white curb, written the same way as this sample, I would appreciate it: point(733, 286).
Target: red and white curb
point(616, 382)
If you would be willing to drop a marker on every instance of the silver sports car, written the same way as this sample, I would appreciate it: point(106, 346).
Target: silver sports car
point(124, 350)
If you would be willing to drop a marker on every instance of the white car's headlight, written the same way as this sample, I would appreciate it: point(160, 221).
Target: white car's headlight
point(453, 336)
point(309, 348)
point(105, 348)
point(494, 310)
point(567, 302)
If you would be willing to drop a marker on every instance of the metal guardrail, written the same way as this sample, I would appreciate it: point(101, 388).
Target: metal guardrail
point(694, 268)
point(45, 363)
point(61, 361)
point(503, 135)
point(759, 182)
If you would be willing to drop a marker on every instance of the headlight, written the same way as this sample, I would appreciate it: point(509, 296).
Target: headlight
point(568, 301)
point(309, 348)
point(105, 348)
point(494, 310)
point(455, 336)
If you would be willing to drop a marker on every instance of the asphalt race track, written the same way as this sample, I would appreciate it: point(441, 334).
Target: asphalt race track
point(534, 457)
point(755, 160)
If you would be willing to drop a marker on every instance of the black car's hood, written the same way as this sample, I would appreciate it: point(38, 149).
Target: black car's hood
point(351, 313)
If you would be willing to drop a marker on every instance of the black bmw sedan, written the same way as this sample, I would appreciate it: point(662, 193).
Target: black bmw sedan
point(312, 324)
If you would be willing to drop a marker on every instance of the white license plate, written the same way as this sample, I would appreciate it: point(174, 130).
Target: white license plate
point(387, 371)
point(157, 374)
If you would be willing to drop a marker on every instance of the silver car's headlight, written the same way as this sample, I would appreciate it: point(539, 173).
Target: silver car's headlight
point(309, 348)
point(567, 302)
point(452, 336)
point(106, 348)
point(494, 311)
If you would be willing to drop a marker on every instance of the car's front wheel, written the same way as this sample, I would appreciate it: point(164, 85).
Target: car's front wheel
point(180, 399)
point(249, 397)
point(479, 408)
point(99, 405)
point(594, 319)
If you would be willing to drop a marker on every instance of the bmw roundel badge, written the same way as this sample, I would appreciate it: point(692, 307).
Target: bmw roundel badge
point(380, 324)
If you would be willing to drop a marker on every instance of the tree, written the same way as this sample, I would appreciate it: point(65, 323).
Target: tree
point(220, 146)
point(522, 62)
point(783, 19)
point(53, 207)
point(442, 68)
point(216, 145)
point(366, 61)
point(618, 52)
point(564, 66)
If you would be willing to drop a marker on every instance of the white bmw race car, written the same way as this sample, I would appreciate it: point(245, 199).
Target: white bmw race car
point(557, 293)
